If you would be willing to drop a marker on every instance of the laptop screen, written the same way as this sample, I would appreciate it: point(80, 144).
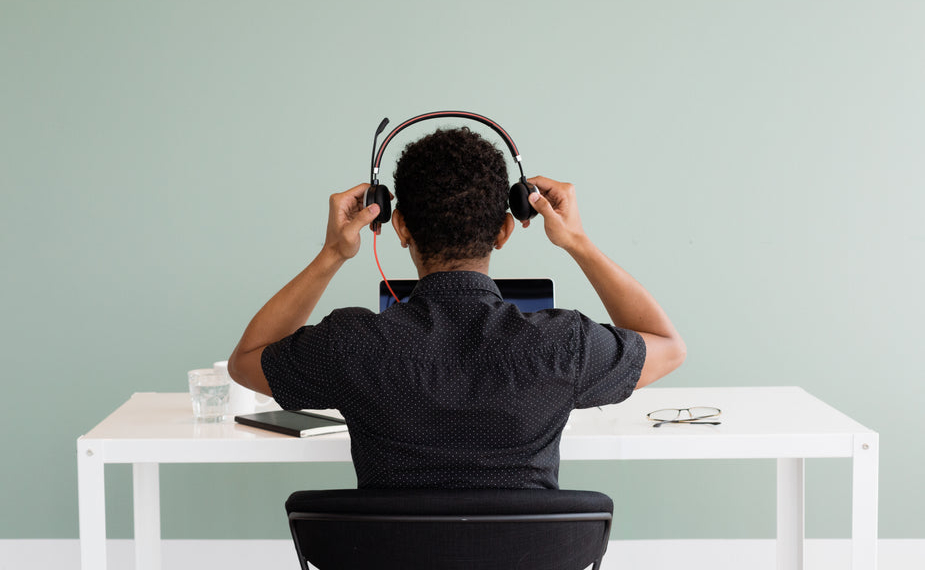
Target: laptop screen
point(530, 295)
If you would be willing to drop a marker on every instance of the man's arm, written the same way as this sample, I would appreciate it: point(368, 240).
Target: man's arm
point(629, 305)
point(291, 307)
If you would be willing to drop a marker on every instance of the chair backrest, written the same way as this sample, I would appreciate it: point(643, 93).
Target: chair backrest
point(482, 529)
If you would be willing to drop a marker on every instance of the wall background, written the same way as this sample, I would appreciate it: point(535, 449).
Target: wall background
point(757, 165)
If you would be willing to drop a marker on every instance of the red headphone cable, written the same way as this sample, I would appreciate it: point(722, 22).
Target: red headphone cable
point(376, 255)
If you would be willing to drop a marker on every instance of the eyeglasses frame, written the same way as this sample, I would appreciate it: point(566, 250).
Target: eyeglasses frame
point(691, 420)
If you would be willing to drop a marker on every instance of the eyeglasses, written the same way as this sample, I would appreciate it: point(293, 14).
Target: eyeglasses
point(684, 416)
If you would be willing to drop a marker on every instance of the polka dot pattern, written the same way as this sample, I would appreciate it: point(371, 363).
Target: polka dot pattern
point(455, 388)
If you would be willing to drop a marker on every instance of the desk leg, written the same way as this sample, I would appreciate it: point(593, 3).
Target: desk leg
point(147, 505)
point(790, 514)
point(864, 497)
point(91, 501)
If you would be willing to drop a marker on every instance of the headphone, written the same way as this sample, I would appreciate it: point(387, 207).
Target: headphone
point(379, 193)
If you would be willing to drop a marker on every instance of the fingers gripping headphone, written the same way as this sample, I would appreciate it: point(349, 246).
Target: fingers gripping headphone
point(379, 193)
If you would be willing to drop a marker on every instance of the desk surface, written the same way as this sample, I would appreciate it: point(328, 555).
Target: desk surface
point(785, 423)
point(756, 422)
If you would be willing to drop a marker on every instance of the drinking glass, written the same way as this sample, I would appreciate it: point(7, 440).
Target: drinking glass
point(209, 392)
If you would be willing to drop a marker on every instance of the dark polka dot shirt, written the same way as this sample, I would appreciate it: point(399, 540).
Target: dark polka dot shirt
point(455, 388)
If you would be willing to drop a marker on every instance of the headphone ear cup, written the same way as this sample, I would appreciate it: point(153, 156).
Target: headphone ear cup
point(518, 200)
point(379, 194)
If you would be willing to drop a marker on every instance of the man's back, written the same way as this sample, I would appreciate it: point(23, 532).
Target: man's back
point(455, 388)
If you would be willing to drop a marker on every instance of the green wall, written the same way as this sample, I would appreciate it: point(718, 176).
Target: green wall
point(165, 166)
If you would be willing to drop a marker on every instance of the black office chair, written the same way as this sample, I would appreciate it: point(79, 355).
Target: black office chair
point(484, 529)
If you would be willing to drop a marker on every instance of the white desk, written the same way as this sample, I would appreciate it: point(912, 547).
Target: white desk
point(784, 423)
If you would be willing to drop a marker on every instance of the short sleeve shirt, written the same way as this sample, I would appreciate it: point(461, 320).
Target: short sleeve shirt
point(454, 388)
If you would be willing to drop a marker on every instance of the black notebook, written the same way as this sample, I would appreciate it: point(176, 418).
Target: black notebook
point(298, 423)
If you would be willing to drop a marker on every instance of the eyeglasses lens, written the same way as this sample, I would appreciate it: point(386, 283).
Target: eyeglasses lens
point(701, 412)
point(665, 415)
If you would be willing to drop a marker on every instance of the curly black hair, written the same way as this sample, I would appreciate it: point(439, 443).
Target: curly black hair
point(452, 188)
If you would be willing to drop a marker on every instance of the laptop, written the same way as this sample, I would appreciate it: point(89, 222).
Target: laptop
point(530, 295)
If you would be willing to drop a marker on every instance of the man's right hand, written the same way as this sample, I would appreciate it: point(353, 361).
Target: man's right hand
point(347, 216)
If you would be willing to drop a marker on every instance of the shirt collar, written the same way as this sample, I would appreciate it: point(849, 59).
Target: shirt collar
point(456, 283)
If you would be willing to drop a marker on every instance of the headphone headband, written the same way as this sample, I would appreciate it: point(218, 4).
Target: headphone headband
point(377, 160)
point(377, 193)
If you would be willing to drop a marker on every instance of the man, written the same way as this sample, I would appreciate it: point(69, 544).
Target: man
point(455, 388)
